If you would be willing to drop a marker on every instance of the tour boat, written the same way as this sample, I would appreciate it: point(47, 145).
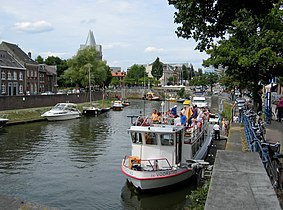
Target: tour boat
point(62, 111)
point(164, 155)
point(3, 122)
point(151, 97)
point(117, 106)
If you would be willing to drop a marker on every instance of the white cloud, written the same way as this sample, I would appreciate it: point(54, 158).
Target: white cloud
point(34, 27)
point(112, 45)
point(153, 49)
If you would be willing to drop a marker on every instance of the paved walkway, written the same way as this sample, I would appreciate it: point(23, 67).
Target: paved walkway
point(239, 180)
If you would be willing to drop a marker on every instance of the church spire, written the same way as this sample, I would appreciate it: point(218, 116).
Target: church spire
point(90, 41)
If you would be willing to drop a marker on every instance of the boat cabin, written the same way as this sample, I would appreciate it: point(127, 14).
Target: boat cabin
point(165, 146)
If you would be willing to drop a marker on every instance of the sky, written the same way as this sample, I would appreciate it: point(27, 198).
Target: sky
point(130, 31)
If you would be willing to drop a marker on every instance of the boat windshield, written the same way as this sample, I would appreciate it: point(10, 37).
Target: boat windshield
point(136, 138)
point(167, 139)
point(59, 107)
point(150, 138)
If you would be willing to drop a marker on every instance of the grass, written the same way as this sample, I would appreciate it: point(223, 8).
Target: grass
point(33, 114)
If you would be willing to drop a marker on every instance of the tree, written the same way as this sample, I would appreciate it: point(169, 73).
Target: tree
point(61, 67)
point(84, 61)
point(39, 59)
point(206, 20)
point(185, 72)
point(157, 69)
point(135, 73)
point(211, 79)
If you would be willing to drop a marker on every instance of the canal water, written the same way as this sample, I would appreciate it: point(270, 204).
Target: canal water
point(75, 164)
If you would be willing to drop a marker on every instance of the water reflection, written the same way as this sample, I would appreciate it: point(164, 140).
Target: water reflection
point(165, 199)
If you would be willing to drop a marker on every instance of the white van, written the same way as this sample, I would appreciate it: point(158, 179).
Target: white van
point(199, 101)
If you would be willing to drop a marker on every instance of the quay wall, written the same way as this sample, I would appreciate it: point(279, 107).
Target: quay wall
point(32, 101)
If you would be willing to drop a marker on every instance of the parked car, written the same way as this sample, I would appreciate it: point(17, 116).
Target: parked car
point(48, 93)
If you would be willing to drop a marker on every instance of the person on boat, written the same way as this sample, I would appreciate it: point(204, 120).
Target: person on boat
point(177, 120)
point(174, 110)
point(154, 117)
point(216, 129)
point(183, 118)
point(189, 115)
point(195, 112)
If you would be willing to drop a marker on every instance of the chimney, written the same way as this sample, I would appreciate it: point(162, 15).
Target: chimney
point(29, 54)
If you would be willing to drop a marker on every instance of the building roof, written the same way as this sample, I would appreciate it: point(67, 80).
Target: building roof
point(90, 41)
point(7, 60)
point(16, 51)
point(118, 74)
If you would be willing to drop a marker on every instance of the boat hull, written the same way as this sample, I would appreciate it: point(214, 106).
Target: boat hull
point(149, 180)
point(91, 112)
point(62, 117)
point(117, 108)
point(3, 122)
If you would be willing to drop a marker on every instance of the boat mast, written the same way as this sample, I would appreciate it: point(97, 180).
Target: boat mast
point(89, 84)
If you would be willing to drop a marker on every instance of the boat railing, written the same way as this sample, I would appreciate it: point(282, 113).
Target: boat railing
point(149, 164)
point(194, 132)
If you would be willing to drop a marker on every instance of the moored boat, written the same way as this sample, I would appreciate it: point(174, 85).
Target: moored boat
point(164, 155)
point(62, 111)
point(117, 106)
point(3, 122)
point(91, 111)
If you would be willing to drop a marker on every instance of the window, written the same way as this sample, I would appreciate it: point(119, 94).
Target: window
point(31, 73)
point(9, 76)
point(27, 73)
point(35, 74)
point(136, 138)
point(150, 138)
point(20, 76)
point(167, 139)
point(3, 75)
point(15, 75)
point(20, 88)
point(35, 88)
point(3, 88)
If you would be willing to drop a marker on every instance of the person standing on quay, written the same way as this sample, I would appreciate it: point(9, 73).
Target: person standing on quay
point(280, 109)
point(216, 129)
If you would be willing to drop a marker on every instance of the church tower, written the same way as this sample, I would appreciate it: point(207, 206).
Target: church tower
point(90, 42)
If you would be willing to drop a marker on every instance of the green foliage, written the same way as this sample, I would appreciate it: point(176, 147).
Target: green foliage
point(157, 69)
point(206, 20)
point(134, 74)
point(198, 198)
point(227, 111)
point(39, 59)
point(181, 93)
point(185, 72)
point(79, 66)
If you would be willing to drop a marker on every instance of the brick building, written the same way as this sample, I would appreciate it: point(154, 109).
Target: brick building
point(31, 78)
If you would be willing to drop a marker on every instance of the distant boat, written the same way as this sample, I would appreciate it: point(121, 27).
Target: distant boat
point(91, 110)
point(62, 111)
point(3, 122)
point(152, 97)
point(181, 100)
point(187, 102)
point(117, 106)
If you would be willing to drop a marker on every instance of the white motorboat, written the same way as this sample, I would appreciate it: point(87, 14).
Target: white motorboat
point(62, 111)
point(164, 155)
point(117, 106)
point(3, 122)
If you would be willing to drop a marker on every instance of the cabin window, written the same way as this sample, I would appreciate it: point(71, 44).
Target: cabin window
point(167, 139)
point(136, 138)
point(150, 138)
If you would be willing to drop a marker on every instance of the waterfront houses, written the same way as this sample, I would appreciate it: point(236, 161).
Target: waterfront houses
point(21, 75)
